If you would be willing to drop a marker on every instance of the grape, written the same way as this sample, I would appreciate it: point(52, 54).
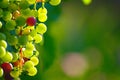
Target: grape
point(3, 43)
point(15, 57)
point(0, 24)
point(30, 38)
point(41, 28)
point(15, 14)
point(12, 40)
point(1, 72)
point(31, 21)
point(34, 13)
point(7, 15)
point(28, 53)
point(2, 51)
point(28, 65)
point(10, 25)
point(26, 31)
point(33, 33)
point(32, 71)
point(1, 12)
point(20, 21)
point(24, 4)
point(26, 12)
point(30, 46)
point(7, 57)
point(55, 2)
point(42, 10)
point(86, 2)
point(38, 38)
point(23, 40)
point(2, 36)
point(4, 3)
point(35, 60)
point(42, 17)
point(12, 7)
point(7, 67)
point(31, 1)
point(15, 73)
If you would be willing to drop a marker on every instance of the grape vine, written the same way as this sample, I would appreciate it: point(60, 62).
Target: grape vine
point(21, 27)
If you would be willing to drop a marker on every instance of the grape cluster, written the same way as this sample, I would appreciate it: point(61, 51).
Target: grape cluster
point(21, 27)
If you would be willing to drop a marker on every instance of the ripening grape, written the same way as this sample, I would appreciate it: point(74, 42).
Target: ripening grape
point(0, 24)
point(2, 51)
point(7, 67)
point(3, 43)
point(55, 2)
point(42, 17)
point(28, 65)
point(26, 31)
point(31, 21)
point(7, 57)
point(1, 72)
point(35, 60)
point(41, 28)
point(32, 71)
point(15, 14)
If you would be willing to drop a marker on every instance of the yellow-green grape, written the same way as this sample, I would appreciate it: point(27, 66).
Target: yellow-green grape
point(10, 25)
point(26, 31)
point(2, 51)
point(30, 38)
point(28, 53)
point(42, 17)
point(30, 46)
point(36, 53)
point(31, 27)
point(35, 60)
point(15, 73)
point(28, 65)
point(33, 33)
point(7, 57)
point(3, 43)
point(32, 71)
point(31, 1)
point(0, 24)
point(38, 38)
point(15, 57)
point(55, 2)
point(34, 13)
point(42, 10)
point(1, 72)
point(86, 2)
point(41, 28)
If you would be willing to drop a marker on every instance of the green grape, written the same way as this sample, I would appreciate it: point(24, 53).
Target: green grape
point(34, 13)
point(12, 7)
point(38, 38)
point(28, 53)
point(7, 15)
point(86, 2)
point(23, 40)
point(42, 17)
point(36, 53)
point(30, 38)
point(1, 72)
point(7, 57)
point(32, 71)
point(33, 33)
point(3, 43)
point(55, 2)
point(35, 60)
point(0, 24)
point(31, 1)
point(28, 65)
point(12, 40)
point(41, 28)
point(26, 12)
point(30, 46)
point(42, 10)
point(10, 25)
point(1, 12)
point(20, 21)
point(2, 51)
point(24, 4)
point(15, 73)
point(2, 36)
point(15, 57)
point(4, 3)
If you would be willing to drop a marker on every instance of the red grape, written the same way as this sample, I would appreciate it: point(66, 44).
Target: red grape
point(7, 67)
point(31, 21)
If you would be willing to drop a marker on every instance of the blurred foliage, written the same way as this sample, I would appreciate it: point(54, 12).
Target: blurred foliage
point(92, 30)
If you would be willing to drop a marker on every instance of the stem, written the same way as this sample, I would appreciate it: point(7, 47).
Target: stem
point(35, 6)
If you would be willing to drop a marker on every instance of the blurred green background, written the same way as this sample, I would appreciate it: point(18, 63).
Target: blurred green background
point(82, 42)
